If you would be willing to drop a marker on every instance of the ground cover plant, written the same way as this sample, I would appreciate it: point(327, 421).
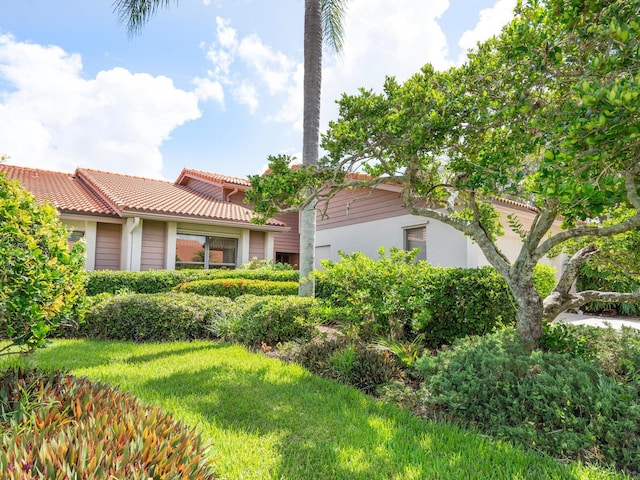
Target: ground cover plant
point(266, 419)
point(54, 425)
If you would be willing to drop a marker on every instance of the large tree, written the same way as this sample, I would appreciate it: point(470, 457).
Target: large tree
point(322, 20)
point(546, 113)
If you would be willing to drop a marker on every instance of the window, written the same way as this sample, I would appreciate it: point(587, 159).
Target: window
point(202, 252)
point(74, 237)
point(416, 237)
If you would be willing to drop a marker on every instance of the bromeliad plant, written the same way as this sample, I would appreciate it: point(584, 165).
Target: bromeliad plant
point(56, 426)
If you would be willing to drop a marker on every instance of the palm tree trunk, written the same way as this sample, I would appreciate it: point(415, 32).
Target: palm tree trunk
point(310, 134)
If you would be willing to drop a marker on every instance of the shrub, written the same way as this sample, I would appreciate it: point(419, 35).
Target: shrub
point(234, 287)
point(394, 297)
point(257, 264)
point(271, 320)
point(350, 362)
point(156, 317)
point(594, 277)
point(159, 281)
point(561, 404)
point(41, 279)
point(56, 426)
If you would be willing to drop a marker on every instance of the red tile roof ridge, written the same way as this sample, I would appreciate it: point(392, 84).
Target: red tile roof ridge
point(216, 177)
point(35, 170)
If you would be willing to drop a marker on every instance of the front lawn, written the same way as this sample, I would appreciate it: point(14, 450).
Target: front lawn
point(265, 419)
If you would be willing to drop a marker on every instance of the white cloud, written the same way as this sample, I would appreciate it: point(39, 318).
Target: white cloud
point(274, 69)
point(207, 89)
point(52, 117)
point(491, 22)
point(246, 94)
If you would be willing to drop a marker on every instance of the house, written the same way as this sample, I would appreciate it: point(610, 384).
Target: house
point(364, 219)
point(135, 223)
point(201, 221)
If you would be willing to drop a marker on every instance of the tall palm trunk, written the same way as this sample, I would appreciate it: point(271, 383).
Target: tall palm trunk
point(310, 134)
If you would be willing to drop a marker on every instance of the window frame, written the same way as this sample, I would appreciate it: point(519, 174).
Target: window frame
point(422, 255)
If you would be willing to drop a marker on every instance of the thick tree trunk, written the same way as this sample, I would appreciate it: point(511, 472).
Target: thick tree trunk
point(529, 314)
point(310, 133)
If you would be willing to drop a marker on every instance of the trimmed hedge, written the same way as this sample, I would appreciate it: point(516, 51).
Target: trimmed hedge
point(395, 297)
point(159, 281)
point(272, 320)
point(234, 287)
point(159, 317)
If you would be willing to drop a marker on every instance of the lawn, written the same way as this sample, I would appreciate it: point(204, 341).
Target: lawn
point(268, 420)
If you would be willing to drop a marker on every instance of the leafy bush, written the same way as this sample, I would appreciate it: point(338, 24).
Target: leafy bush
point(41, 280)
point(234, 287)
point(156, 317)
point(561, 404)
point(394, 297)
point(56, 426)
point(271, 320)
point(257, 264)
point(617, 351)
point(350, 362)
point(594, 277)
point(159, 281)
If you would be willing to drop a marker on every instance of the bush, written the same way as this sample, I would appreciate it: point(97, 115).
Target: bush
point(272, 320)
point(561, 404)
point(56, 426)
point(234, 287)
point(41, 280)
point(349, 362)
point(257, 264)
point(156, 317)
point(159, 281)
point(395, 297)
point(594, 277)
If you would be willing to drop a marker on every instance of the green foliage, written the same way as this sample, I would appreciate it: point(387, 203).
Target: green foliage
point(394, 297)
point(556, 337)
point(41, 280)
point(56, 426)
point(234, 287)
point(157, 281)
point(256, 264)
point(272, 320)
point(350, 362)
point(406, 352)
point(156, 317)
point(544, 279)
point(594, 276)
point(557, 403)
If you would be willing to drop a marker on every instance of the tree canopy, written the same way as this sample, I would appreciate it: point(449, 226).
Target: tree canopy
point(545, 113)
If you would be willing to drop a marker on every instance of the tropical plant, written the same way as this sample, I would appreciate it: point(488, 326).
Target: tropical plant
point(41, 278)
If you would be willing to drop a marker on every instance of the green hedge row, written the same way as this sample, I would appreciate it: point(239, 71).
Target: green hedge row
point(157, 281)
point(161, 317)
point(234, 287)
point(395, 297)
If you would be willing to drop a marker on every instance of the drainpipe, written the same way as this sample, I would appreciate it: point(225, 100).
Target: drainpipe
point(233, 192)
point(132, 229)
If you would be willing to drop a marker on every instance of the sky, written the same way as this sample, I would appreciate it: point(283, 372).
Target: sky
point(213, 85)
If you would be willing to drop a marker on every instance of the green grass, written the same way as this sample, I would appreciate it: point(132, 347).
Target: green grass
point(269, 420)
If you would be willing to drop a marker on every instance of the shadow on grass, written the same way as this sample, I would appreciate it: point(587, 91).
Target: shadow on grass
point(328, 431)
point(270, 420)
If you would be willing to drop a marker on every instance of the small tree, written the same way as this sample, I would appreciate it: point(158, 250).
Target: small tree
point(546, 113)
point(41, 279)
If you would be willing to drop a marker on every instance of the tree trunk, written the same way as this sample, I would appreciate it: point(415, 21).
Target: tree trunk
point(310, 133)
point(529, 311)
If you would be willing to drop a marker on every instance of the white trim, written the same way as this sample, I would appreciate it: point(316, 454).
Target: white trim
point(202, 221)
point(269, 246)
point(243, 247)
point(170, 250)
point(90, 236)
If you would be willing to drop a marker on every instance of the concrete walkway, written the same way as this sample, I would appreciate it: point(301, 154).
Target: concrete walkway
point(592, 320)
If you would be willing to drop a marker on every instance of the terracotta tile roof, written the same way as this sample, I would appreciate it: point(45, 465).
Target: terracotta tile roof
point(63, 190)
point(137, 194)
point(513, 203)
point(213, 177)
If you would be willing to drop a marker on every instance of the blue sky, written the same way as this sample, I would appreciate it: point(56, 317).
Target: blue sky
point(213, 85)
